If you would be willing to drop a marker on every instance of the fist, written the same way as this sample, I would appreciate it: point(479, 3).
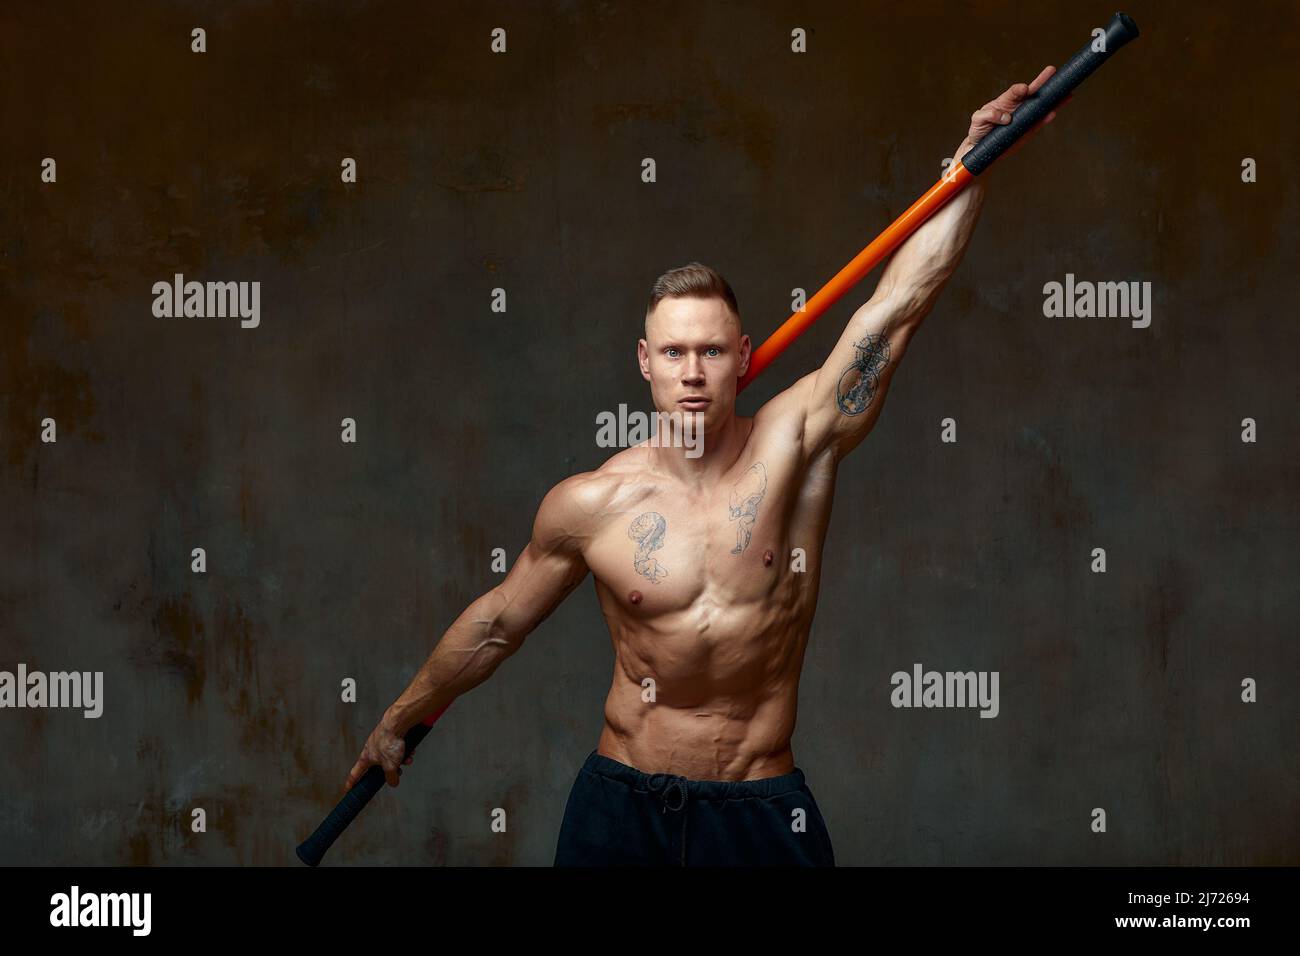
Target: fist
point(384, 748)
point(997, 112)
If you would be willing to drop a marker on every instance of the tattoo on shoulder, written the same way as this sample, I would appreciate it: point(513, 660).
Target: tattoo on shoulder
point(858, 384)
point(648, 531)
point(745, 499)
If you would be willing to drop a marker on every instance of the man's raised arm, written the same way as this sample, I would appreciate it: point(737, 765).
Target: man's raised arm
point(842, 400)
point(491, 629)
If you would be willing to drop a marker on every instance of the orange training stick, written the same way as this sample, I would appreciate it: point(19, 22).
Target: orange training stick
point(953, 182)
point(1036, 106)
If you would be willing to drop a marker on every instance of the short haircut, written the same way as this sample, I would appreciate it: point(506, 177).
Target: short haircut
point(693, 280)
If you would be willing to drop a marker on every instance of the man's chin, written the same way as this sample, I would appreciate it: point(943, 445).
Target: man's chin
point(696, 421)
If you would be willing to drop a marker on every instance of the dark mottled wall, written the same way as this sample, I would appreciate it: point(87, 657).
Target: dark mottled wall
point(522, 171)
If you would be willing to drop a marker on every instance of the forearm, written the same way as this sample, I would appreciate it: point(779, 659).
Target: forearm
point(470, 650)
point(921, 266)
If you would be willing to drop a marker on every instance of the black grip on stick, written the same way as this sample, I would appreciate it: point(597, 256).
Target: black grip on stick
point(312, 850)
point(980, 157)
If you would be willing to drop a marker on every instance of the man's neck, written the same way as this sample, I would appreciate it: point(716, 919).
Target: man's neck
point(718, 449)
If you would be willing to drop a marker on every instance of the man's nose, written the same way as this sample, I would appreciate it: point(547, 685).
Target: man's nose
point(693, 374)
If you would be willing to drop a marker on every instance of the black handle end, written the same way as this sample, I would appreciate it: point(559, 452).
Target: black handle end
point(312, 850)
point(1120, 30)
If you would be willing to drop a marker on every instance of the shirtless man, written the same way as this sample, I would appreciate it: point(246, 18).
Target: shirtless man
point(693, 568)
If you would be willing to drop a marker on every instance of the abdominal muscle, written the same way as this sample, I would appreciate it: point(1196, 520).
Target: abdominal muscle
point(723, 699)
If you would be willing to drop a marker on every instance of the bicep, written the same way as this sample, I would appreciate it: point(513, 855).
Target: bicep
point(535, 587)
point(547, 571)
point(845, 396)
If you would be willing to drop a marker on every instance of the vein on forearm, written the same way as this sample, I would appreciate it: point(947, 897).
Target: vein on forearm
point(921, 266)
point(478, 630)
point(469, 652)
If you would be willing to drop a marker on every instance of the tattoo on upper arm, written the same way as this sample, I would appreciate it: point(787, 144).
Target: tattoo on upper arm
point(648, 531)
point(858, 384)
point(745, 499)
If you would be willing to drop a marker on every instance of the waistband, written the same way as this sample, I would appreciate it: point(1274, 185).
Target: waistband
point(665, 783)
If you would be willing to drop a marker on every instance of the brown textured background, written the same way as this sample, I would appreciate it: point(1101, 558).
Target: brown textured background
point(329, 560)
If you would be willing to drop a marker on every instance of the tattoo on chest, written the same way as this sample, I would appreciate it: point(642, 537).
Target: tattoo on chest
point(746, 496)
point(858, 384)
point(648, 531)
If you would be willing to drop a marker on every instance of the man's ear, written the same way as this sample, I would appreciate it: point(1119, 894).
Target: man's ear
point(643, 358)
point(744, 355)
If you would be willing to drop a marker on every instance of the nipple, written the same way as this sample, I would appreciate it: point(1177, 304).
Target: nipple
point(635, 597)
point(767, 559)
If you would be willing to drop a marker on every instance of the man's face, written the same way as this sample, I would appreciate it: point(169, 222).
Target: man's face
point(692, 356)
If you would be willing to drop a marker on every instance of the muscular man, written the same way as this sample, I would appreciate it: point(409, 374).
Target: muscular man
point(691, 557)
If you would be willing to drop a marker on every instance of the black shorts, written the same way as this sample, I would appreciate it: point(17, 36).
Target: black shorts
point(620, 816)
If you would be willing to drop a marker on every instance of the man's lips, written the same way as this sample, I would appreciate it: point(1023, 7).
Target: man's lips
point(694, 403)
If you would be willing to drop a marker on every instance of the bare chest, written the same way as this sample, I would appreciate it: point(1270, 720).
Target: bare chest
point(672, 551)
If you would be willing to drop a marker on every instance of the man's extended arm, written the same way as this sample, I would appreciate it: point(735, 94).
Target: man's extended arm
point(488, 631)
point(842, 400)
